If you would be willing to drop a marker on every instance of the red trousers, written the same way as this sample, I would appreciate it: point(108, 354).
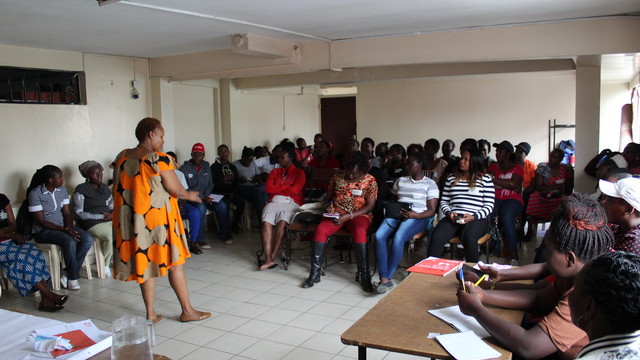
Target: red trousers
point(357, 228)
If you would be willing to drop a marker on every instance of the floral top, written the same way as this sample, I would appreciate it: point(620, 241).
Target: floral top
point(351, 196)
point(545, 170)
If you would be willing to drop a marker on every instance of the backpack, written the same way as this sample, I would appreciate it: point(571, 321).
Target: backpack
point(24, 220)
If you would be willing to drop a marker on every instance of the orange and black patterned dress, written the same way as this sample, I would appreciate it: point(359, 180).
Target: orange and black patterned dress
point(147, 226)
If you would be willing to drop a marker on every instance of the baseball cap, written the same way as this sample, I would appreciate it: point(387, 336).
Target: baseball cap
point(504, 145)
point(197, 147)
point(627, 189)
point(525, 147)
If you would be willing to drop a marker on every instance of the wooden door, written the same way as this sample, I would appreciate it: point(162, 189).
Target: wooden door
point(338, 121)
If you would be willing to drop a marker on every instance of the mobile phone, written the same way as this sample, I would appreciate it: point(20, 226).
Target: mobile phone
point(466, 267)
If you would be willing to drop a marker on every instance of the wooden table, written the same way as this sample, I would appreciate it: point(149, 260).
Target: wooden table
point(400, 321)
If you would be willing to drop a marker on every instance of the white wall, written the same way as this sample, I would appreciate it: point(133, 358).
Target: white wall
point(612, 98)
point(66, 135)
point(514, 107)
point(260, 117)
point(194, 118)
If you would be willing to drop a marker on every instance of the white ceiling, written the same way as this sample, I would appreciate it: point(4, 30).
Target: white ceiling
point(154, 28)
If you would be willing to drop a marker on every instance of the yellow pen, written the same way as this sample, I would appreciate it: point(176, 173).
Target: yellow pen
point(480, 280)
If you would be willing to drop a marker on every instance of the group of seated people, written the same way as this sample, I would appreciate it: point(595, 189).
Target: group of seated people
point(47, 217)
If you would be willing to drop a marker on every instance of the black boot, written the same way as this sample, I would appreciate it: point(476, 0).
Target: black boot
point(317, 255)
point(362, 260)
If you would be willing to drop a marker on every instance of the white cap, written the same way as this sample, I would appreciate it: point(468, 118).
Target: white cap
point(620, 161)
point(627, 189)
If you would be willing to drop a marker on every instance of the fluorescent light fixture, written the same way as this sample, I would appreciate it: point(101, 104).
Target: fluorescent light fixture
point(107, 2)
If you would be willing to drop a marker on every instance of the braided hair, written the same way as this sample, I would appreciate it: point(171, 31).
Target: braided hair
point(579, 225)
point(613, 281)
point(42, 175)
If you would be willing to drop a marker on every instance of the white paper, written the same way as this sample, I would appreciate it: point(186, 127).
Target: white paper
point(216, 197)
point(459, 321)
point(88, 328)
point(466, 346)
point(494, 265)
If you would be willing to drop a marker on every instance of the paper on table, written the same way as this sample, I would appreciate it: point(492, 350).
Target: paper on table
point(87, 327)
point(459, 321)
point(216, 197)
point(466, 346)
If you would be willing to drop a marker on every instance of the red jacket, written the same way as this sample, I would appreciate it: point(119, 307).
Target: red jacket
point(286, 182)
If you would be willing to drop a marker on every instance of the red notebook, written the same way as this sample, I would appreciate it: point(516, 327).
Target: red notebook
point(436, 266)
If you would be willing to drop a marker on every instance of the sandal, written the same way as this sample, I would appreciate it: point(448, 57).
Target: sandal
point(205, 315)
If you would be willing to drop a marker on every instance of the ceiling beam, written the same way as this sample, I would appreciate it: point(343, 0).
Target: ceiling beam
point(381, 73)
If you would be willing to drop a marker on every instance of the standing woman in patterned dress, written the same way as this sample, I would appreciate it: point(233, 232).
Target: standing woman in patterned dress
point(150, 239)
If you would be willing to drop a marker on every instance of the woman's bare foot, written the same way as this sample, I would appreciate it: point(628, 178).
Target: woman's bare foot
point(268, 265)
point(156, 319)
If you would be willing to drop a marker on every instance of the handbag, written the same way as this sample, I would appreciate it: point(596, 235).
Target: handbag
point(392, 209)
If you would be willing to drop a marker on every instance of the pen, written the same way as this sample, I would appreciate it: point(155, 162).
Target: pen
point(464, 288)
point(480, 280)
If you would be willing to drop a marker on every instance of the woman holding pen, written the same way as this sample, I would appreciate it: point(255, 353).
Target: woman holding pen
point(351, 197)
point(578, 233)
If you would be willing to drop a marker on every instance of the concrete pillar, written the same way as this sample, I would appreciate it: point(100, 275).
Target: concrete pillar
point(162, 109)
point(587, 118)
point(226, 88)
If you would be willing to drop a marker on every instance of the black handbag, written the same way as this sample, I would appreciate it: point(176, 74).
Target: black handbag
point(392, 209)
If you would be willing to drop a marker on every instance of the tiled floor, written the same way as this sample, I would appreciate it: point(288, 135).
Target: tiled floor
point(256, 315)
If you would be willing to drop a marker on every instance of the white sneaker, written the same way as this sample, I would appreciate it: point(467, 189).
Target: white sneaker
point(63, 281)
point(107, 271)
point(74, 285)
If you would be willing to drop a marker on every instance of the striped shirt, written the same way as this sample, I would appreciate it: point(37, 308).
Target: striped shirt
point(416, 192)
point(460, 198)
point(617, 346)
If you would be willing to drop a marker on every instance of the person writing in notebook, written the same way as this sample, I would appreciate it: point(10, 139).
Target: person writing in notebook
point(577, 234)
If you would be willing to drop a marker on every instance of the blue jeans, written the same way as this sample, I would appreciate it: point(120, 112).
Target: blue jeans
point(72, 251)
point(388, 255)
point(508, 210)
point(197, 215)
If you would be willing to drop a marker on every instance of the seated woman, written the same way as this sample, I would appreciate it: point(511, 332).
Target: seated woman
point(577, 234)
point(396, 166)
point(436, 166)
point(554, 180)
point(507, 179)
point(467, 201)
point(422, 193)
point(323, 158)
point(303, 152)
point(284, 186)
point(485, 147)
point(381, 155)
point(93, 206)
point(447, 151)
point(604, 303)
point(53, 223)
point(621, 201)
point(352, 196)
point(367, 146)
point(23, 263)
point(250, 184)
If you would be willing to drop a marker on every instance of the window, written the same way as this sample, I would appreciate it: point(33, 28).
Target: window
point(38, 86)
